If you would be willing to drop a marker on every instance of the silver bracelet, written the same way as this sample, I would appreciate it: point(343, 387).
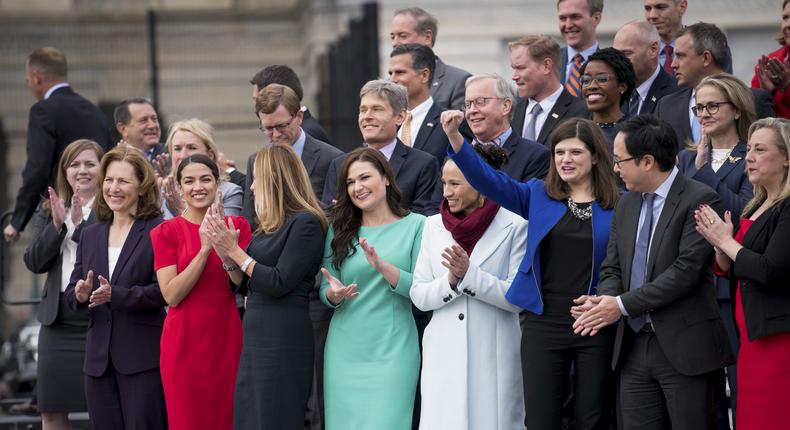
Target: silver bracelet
point(246, 264)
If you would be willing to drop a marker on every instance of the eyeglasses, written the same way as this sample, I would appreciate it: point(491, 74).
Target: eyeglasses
point(617, 162)
point(711, 107)
point(479, 102)
point(269, 130)
point(600, 79)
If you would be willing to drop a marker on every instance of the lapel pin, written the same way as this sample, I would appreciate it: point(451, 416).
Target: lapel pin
point(732, 159)
point(429, 124)
point(653, 99)
point(554, 115)
point(436, 84)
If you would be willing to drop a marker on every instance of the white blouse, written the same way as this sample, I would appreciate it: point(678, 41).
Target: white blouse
point(68, 249)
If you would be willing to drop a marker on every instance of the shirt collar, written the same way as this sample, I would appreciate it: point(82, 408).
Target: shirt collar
point(422, 108)
point(663, 189)
point(547, 103)
point(298, 146)
point(645, 87)
point(55, 88)
point(585, 53)
point(388, 149)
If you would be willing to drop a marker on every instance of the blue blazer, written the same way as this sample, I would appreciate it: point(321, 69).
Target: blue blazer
point(531, 202)
point(129, 327)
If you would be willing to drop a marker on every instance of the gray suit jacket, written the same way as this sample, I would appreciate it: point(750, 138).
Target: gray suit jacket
point(679, 292)
point(449, 85)
point(316, 157)
point(43, 256)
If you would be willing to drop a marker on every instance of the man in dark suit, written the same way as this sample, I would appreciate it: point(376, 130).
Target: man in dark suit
point(415, 25)
point(638, 40)
point(578, 20)
point(137, 122)
point(489, 100)
point(284, 75)
point(700, 51)
point(280, 115)
point(544, 101)
point(382, 109)
point(59, 117)
point(412, 66)
point(656, 285)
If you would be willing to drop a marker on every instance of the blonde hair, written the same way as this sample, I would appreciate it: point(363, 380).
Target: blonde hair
point(203, 131)
point(781, 129)
point(739, 95)
point(282, 188)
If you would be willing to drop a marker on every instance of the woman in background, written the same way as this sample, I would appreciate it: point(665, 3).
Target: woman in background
point(607, 81)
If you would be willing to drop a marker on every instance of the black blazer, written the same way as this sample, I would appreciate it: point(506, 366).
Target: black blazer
point(673, 108)
point(316, 157)
point(679, 293)
point(43, 256)
point(130, 326)
point(416, 172)
point(526, 159)
point(663, 84)
point(52, 124)
point(311, 126)
point(431, 138)
point(731, 184)
point(763, 268)
point(565, 107)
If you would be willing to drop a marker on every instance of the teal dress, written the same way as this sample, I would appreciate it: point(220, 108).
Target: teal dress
point(372, 357)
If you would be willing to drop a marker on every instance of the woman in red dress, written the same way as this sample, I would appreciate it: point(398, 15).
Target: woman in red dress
point(757, 261)
point(772, 72)
point(201, 339)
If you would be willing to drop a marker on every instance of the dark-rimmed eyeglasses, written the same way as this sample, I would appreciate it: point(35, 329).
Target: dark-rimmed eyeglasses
point(269, 130)
point(711, 107)
point(600, 79)
point(479, 102)
point(617, 162)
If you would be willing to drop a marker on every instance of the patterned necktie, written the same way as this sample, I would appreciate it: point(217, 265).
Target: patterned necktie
point(668, 50)
point(639, 263)
point(497, 141)
point(405, 130)
point(573, 83)
point(530, 129)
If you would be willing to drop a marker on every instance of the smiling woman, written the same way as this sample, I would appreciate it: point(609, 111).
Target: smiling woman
point(607, 81)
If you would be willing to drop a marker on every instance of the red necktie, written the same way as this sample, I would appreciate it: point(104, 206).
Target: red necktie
point(668, 50)
point(572, 84)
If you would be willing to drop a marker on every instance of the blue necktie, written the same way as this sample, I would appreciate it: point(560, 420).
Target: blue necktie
point(639, 263)
point(695, 127)
point(633, 105)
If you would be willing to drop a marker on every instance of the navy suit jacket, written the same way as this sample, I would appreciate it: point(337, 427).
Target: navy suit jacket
point(566, 106)
point(313, 128)
point(663, 85)
point(730, 182)
point(431, 138)
point(316, 157)
point(416, 172)
point(52, 124)
point(673, 108)
point(129, 327)
point(525, 159)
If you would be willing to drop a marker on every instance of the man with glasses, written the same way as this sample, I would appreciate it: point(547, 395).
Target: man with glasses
point(656, 286)
point(488, 104)
point(701, 50)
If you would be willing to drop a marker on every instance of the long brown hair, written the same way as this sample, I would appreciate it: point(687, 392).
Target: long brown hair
point(148, 202)
point(346, 217)
point(282, 188)
point(62, 186)
point(604, 183)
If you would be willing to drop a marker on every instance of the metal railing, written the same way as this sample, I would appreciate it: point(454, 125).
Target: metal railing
point(3, 254)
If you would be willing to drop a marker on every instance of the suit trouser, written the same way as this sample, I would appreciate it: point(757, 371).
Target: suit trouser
point(548, 348)
point(320, 315)
point(652, 390)
point(126, 402)
point(722, 413)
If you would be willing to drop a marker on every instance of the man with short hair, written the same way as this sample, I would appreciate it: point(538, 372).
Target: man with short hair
point(137, 122)
point(489, 101)
point(656, 285)
point(700, 51)
point(412, 65)
point(59, 117)
point(578, 20)
point(284, 75)
point(638, 40)
point(545, 103)
point(382, 109)
point(415, 25)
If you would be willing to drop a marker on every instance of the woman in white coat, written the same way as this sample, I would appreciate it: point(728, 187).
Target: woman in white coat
point(470, 252)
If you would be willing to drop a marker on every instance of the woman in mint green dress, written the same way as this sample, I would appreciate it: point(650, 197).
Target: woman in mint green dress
point(371, 358)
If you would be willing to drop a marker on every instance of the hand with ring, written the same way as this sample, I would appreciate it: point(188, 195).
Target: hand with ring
point(712, 227)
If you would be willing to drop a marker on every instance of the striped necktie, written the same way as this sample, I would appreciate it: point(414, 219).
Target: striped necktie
point(573, 83)
point(405, 130)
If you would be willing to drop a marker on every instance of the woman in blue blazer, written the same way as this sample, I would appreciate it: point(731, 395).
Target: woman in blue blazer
point(569, 218)
point(725, 109)
point(114, 280)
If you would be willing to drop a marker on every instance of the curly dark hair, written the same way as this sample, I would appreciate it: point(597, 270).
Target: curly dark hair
point(622, 67)
point(346, 218)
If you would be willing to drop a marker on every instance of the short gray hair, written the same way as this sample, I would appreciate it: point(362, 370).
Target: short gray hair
point(394, 93)
point(425, 21)
point(647, 32)
point(502, 87)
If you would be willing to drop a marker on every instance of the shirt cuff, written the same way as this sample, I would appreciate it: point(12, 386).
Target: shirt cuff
point(620, 304)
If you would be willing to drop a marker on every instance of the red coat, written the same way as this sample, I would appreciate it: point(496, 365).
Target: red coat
point(781, 98)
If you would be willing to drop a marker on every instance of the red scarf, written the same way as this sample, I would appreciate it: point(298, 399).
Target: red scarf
point(468, 229)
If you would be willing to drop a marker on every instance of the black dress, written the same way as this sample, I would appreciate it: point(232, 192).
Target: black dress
point(276, 367)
